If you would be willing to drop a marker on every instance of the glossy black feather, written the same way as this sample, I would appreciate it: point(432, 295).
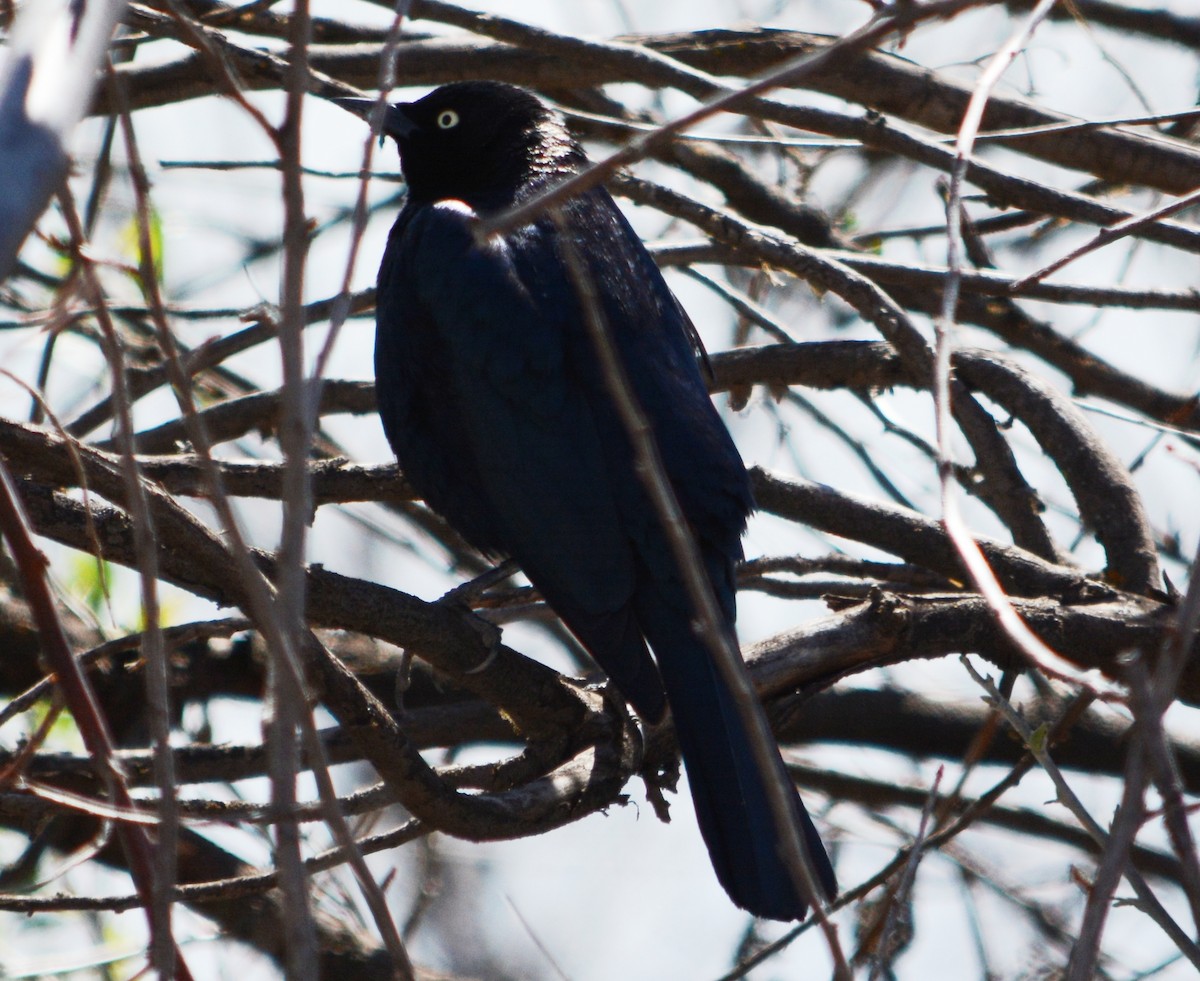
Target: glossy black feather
point(492, 398)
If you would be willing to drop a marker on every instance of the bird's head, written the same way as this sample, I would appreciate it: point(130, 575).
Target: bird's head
point(481, 142)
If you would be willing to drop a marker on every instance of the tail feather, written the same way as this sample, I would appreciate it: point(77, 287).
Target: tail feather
point(729, 790)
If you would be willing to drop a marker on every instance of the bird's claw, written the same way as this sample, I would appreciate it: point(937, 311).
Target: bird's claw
point(460, 598)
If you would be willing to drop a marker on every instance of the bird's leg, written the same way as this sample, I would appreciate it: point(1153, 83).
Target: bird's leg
point(403, 679)
point(466, 592)
point(661, 767)
point(461, 597)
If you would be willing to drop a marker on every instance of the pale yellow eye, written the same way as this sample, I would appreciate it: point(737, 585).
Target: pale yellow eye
point(447, 119)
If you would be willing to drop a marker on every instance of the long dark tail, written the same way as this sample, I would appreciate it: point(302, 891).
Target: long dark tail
point(728, 789)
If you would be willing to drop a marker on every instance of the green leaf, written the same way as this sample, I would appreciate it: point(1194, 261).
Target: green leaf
point(131, 243)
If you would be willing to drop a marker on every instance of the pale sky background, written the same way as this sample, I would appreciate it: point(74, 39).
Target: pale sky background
point(622, 895)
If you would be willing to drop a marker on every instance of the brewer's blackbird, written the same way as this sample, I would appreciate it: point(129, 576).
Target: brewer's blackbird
point(493, 399)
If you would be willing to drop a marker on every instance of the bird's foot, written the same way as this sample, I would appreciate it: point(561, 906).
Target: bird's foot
point(465, 593)
point(660, 768)
point(491, 637)
point(460, 598)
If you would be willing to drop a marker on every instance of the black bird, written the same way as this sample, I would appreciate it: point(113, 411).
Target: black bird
point(502, 419)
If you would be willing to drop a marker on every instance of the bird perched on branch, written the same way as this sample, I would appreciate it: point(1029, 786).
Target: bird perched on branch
point(496, 404)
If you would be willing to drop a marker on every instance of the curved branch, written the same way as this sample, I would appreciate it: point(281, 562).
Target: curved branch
point(890, 628)
point(913, 537)
point(1109, 504)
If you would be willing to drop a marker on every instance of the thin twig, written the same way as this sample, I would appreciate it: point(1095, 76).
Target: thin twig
point(1036, 743)
point(977, 566)
point(164, 955)
point(1106, 236)
point(901, 896)
point(79, 697)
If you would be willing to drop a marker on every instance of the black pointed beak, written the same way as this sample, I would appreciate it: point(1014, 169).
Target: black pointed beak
point(396, 123)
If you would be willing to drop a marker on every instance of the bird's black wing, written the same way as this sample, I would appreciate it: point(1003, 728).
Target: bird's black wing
point(656, 343)
point(490, 425)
